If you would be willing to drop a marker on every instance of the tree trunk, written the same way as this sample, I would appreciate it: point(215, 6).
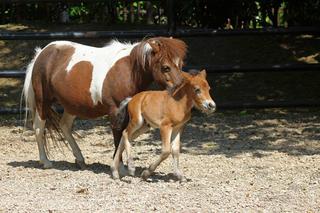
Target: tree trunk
point(131, 13)
point(149, 9)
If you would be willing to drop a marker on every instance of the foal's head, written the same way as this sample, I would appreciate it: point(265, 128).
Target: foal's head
point(200, 91)
point(163, 59)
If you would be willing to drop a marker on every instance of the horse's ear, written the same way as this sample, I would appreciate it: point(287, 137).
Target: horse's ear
point(155, 45)
point(203, 74)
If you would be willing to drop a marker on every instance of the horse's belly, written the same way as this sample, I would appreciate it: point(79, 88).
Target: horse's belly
point(84, 111)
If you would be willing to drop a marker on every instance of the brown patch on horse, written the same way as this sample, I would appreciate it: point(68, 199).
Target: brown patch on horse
point(72, 90)
point(51, 60)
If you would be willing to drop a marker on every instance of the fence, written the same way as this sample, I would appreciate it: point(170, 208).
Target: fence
point(172, 31)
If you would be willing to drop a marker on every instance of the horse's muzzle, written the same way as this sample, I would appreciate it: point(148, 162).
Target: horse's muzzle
point(176, 87)
point(209, 106)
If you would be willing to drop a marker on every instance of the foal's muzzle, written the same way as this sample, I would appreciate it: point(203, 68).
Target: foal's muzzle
point(209, 106)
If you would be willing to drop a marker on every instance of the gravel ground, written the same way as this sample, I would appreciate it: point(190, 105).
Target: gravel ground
point(235, 161)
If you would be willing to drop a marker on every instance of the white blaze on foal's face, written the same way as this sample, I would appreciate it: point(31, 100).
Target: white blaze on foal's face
point(201, 91)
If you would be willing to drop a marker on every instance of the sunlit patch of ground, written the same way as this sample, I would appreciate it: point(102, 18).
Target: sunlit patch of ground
point(266, 160)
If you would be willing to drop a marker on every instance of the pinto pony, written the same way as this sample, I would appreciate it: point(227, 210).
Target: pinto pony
point(159, 109)
point(90, 82)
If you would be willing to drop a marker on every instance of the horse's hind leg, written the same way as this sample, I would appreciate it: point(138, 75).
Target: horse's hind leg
point(39, 126)
point(66, 127)
point(175, 147)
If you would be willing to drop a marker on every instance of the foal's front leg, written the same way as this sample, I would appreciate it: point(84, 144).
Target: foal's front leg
point(175, 154)
point(165, 132)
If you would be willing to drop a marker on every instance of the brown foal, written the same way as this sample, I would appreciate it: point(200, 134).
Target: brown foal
point(159, 109)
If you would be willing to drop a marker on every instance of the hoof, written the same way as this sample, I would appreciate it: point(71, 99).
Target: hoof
point(132, 171)
point(145, 174)
point(115, 175)
point(122, 170)
point(81, 164)
point(46, 164)
point(181, 177)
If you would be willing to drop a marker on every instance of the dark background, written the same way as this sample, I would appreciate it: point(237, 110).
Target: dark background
point(260, 87)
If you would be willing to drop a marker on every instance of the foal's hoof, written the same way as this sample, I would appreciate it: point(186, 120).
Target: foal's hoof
point(132, 171)
point(145, 174)
point(115, 175)
point(123, 170)
point(181, 178)
point(46, 164)
point(81, 164)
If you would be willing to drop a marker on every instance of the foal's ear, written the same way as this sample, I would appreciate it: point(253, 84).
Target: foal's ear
point(155, 45)
point(203, 74)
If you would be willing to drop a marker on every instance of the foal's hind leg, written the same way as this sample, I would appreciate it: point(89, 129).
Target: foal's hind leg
point(165, 132)
point(66, 127)
point(134, 125)
point(39, 126)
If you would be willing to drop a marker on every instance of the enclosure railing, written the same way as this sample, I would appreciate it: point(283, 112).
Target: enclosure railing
point(173, 31)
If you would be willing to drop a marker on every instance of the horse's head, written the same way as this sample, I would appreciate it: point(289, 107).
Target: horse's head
point(200, 91)
point(163, 59)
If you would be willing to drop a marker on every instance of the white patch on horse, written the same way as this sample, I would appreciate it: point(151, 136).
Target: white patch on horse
point(102, 59)
point(177, 61)
point(147, 49)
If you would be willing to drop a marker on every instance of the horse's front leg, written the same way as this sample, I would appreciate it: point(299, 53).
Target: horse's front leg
point(175, 147)
point(165, 132)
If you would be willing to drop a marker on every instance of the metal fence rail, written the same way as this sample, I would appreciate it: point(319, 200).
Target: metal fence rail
point(149, 33)
point(222, 106)
point(213, 69)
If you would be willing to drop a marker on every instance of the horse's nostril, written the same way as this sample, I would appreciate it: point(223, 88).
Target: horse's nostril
point(212, 106)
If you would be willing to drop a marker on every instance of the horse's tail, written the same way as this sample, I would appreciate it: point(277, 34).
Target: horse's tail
point(52, 122)
point(27, 91)
point(122, 112)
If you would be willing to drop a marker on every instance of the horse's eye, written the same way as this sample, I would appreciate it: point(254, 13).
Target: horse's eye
point(197, 90)
point(165, 69)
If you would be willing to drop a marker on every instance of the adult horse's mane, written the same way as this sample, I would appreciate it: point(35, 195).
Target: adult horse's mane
point(159, 47)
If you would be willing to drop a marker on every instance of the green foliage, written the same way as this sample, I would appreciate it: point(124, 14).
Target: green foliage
point(190, 13)
point(78, 11)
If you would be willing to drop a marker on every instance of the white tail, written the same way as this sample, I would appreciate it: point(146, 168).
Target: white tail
point(27, 91)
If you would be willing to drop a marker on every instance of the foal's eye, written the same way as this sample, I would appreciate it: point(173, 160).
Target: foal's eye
point(197, 90)
point(165, 69)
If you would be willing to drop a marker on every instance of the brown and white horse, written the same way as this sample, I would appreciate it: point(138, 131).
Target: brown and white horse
point(90, 82)
point(159, 109)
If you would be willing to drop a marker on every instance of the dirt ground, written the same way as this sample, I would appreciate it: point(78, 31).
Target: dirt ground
point(235, 161)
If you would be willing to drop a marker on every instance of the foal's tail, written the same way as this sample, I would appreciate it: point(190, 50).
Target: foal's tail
point(27, 91)
point(122, 112)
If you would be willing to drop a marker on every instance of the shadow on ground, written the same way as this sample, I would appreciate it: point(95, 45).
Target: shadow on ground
point(96, 168)
point(63, 165)
point(295, 132)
